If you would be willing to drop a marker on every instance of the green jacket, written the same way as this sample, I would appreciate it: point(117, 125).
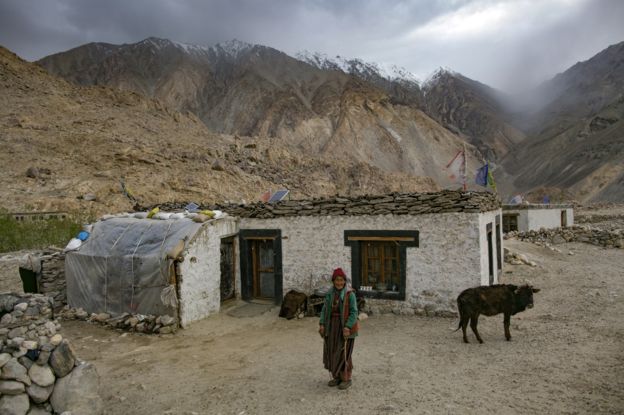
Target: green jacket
point(327, 307)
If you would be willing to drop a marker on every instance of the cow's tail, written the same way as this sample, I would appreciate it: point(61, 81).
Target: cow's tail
point(459, 310)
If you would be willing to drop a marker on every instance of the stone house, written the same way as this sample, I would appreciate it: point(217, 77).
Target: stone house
point(533, 217)
point(406, 253)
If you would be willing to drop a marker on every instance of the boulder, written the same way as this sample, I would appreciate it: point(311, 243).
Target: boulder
point(4, 358)
point(56, 339)
point(14, 404)
point(12, 370)
point(11, 387)
point(78, 392)
point(62, 359)
point(39, 394)
point(37, 410)
point(41, 375)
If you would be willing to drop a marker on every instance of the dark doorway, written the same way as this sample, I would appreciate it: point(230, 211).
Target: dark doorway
point(261, 264)
point(490, 253)
point(499, 245)
point(564, 219)
point(228, 269)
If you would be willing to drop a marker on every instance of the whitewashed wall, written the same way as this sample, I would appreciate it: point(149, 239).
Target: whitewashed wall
point(536, 218)
point(448, 259)
point(200, 285)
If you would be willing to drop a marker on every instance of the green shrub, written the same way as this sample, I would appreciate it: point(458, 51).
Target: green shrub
point(36, 234)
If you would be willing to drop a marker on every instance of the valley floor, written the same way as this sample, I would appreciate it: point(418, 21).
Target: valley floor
point(566, 355)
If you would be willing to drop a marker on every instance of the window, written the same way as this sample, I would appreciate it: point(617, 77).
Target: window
point(378, 261)
point(510, 222)
point(380, 265)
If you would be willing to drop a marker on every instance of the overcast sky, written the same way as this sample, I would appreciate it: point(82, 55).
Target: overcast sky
point(507, 44)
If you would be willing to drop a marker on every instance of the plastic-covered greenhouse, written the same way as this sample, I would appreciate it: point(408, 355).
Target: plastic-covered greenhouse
point(124, 268)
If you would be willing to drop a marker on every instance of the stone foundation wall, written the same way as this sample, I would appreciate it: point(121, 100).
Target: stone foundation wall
point(138, 323)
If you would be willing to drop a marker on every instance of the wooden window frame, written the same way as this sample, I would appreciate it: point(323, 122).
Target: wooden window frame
point(403, 239)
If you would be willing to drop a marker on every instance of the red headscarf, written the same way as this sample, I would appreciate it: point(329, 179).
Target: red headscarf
point(338, 272)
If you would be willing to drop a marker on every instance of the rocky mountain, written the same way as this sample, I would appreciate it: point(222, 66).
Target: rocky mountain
point(64, 145)
point(400, 84)
point(474, 110)
point(361, 112)
point(576, 138)
point(252, 90)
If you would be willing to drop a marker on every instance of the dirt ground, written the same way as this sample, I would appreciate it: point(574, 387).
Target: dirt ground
point(566, 355)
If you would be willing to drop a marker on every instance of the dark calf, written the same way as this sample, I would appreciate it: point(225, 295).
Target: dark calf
point(294, 303)
point(491, 300)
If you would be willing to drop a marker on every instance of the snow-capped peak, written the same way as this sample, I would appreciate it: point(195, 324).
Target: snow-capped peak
point(358, 67)
point(438, 74)
point(232, 47)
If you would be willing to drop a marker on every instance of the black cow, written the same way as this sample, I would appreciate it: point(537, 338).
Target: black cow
point(491, 300)
point(293, 304)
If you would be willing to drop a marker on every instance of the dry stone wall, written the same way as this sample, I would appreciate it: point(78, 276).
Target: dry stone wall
point(52, 280)
point(39, 371)
point(594, 236)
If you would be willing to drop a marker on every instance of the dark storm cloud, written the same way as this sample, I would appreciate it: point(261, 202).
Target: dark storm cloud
point(502, 43)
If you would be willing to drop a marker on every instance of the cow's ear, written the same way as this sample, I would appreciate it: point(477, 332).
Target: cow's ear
point(536, 290)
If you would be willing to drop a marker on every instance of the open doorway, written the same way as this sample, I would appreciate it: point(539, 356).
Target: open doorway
point(490, 254)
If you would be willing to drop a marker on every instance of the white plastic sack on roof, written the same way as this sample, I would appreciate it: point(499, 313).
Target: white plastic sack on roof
point(162, 216)
point(140, 215)
point(178, 215)
point(219, 214)
point(73, 245)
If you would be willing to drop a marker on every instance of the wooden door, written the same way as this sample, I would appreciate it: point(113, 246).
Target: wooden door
point(263, 262)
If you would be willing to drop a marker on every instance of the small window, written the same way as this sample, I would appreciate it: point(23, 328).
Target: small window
point(378, 262)
point(510, 223)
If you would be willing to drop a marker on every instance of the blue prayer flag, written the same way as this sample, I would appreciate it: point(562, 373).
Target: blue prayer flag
point(482, 176)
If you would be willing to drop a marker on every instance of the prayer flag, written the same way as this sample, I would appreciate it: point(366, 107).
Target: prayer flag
point(490, 180)
point(482, 175)
point(457, 168)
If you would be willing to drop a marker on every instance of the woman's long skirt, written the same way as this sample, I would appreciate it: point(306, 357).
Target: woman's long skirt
point(333, 351)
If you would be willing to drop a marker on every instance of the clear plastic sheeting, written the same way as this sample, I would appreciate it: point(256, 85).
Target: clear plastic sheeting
point(123, 266)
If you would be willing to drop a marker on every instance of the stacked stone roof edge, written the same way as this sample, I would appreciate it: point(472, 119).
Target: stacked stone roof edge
point(446, 201)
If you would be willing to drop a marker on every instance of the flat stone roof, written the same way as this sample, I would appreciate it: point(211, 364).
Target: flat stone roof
point(446, 201)
point(527, 206)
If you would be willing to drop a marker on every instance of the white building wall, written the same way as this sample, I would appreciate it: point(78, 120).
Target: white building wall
point(485, 219)
point(532, 219)
point(448, 259)
point(200, 282)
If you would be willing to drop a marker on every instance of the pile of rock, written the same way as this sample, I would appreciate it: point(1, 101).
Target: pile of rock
point(594, 236)
point(138, 323)
point(515, 258)
point(39, 372)
point(396, 203)
point(27, 317)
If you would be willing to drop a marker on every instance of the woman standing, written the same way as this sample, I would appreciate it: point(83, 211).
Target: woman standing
point(338, 327)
